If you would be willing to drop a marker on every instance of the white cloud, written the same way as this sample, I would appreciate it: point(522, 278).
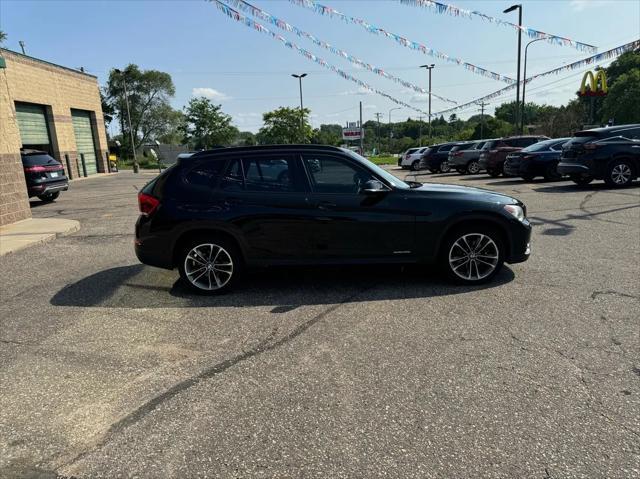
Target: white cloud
point(370, 107)
point(359, 91)
point(421, 98)
point(209, 93)
point(580, 5)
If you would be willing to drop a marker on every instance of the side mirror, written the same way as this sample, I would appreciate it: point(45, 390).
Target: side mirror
point(374, 187)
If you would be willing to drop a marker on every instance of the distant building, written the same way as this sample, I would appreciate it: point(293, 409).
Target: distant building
point(47, 107)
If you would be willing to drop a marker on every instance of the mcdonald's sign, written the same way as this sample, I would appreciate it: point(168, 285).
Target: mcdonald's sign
point(597, 84)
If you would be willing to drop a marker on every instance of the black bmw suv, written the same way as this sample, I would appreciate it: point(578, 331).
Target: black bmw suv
point(218, 212)
point(611, 154)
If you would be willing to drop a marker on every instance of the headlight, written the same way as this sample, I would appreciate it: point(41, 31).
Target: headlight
point(516, 211)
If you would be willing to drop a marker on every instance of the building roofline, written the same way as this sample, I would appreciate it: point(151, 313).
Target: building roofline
point(18, 54)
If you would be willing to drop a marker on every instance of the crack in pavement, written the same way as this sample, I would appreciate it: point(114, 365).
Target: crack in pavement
point(595, 294)
point(262, 347)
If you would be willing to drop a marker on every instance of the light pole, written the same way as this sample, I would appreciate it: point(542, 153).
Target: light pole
point(511, 9)
point(136, 167)
point(429, 67)
point(300, 77)
point(389, 142)
point(524, 82)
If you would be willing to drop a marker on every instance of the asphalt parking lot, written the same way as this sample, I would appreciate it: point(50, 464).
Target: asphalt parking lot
point(112, 369)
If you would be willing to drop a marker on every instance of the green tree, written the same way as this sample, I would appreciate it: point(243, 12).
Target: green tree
point(622, 103)
point(3, 37)
point(244, 138)
point(205, 125)
point(148, 92)
point(282, 126)
point(328, 135)
point(170, 128)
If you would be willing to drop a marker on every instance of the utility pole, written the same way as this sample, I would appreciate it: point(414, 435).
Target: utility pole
point(482, 105)
point(517, 112)
point(389, 143)
point(21, 43)
point(420, 130)
point(361, 132)
point(429, 67)
point(378, 115)
point(136, 167)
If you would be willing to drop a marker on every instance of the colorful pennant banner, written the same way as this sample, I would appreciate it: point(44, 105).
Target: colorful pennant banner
point(447, 9)
point(267, 17)
point(248, 22)
point(613, 53)
point(324, 10)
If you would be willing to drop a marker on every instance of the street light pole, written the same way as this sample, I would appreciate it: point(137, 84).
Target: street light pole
point(511, 9)
point(136, 167)
point(524, 82)
point(300, 77)
point(429, 67)
point(389, 142)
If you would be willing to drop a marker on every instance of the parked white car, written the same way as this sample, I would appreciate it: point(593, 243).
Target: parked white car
point(411, 158)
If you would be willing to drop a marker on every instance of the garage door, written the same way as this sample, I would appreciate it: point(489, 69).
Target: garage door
point(32, 123)
point(84, 139)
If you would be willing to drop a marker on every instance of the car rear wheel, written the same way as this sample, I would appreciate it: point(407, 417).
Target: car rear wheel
point(472, 255)
point(581, 180)
point(209, 265)
point(493, 173)
point(527, 177)
point(48, 197)
point(473, 168)
point(415, 166)
point(551, 172)
point(619, 173)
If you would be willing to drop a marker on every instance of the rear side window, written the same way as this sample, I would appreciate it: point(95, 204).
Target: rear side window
point(445, 148)
point(204, 174)
point(489, 145)
point(261, 174)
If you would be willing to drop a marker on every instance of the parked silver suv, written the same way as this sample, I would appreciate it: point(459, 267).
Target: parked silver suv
point(464, 158)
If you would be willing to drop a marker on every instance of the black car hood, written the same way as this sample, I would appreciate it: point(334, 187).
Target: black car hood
point(464, 192)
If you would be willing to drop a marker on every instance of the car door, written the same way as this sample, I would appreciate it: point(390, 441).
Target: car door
point(351, 225)
point(266, 199)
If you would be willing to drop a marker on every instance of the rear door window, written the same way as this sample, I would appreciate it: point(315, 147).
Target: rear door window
point(268, 173)
point(445, 148)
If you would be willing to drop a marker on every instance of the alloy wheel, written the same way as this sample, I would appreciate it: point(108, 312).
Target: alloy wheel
point(621, 174)
point(208, 266)
point(473, 256)
point(473, 168)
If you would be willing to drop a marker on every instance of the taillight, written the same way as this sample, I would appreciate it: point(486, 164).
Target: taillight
point(34, 169)
point(147, 204)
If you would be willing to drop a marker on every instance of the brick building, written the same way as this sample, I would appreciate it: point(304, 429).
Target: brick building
point(47, 107)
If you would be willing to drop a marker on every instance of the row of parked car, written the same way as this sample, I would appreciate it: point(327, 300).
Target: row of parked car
point(611, 154)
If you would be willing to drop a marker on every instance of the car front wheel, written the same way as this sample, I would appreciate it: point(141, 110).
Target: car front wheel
point(472, 255)
point(619, 173)
point(473, 168)
point(415, 166)
point(209, 266)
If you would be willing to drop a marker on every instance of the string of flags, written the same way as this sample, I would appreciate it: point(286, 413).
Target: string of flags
point(250, 23)
point(613, 53)
point(448, 9)
point(267, 17)
point(324, 10)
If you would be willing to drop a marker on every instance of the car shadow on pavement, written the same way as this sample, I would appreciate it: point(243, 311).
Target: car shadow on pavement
point(285, 289)
point(572, 187)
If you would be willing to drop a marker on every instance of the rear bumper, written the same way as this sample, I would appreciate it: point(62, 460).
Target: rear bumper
point(573, 169)
point(152, 248)
point(45, 188)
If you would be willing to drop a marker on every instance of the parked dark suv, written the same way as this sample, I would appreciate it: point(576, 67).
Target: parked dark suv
point(611, 154)
point(539, 159)
point(215, 213)
point(44, 175)
point(494, 152)
point(435, 158)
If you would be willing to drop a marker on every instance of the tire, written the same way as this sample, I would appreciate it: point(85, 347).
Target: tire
point(528, 177)
point(49, 197)
point(473, 168)
point(472, 254)
point(211, 251)
point(415, 166)
point(581, 180)
point(445, 167)
point(493, 173)
point(619, 174)
point(551, 172)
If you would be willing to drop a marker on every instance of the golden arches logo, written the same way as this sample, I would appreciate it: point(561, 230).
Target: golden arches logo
point(597, 84)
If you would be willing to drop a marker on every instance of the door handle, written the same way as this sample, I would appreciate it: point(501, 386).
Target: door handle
point(326, 205)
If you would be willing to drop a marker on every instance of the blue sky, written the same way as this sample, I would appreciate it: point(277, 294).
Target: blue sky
point(249, 73)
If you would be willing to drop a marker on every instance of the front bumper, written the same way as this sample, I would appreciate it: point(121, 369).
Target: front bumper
point(512, 168)
point(520, 248)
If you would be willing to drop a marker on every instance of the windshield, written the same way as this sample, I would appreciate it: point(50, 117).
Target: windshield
point(392, 180)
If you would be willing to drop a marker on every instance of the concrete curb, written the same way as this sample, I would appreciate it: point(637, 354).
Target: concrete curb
point(33, 231)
